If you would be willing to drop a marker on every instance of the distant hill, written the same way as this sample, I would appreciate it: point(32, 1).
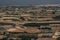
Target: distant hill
point(28, 2)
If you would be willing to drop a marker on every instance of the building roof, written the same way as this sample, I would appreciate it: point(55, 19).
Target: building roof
point(14, 30)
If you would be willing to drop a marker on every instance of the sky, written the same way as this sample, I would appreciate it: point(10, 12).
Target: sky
point(28, 2)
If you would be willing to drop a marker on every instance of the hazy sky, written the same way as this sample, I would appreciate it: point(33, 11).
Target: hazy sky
point(28, 2)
